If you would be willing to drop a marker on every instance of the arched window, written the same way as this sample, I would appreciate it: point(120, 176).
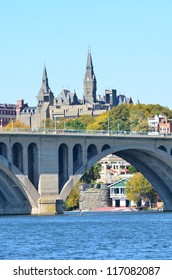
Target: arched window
point(163, 148)
point(63, 165)
point(77, 157)
point(33, 164)
point(105, 147)
point(91, 151)
point(17, 156)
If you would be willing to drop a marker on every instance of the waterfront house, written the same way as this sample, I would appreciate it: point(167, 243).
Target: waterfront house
point(118, 194)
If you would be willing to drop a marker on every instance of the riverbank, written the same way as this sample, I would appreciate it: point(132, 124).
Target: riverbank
point(121, 209)
point(114, 209)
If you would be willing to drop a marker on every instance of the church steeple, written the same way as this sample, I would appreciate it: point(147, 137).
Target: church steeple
point(45, 85)
point(90, 83)
point(45, 94)
point(89, 61)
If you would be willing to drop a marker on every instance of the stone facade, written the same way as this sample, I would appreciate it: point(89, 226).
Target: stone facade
point(93, 198)
point(67, 104)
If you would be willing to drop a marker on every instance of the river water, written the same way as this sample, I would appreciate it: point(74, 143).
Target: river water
point(97, 236)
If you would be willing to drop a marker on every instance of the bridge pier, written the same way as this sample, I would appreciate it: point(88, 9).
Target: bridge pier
point(59, 206)
point(48, 191)
point(50, 205)
point(47, 205)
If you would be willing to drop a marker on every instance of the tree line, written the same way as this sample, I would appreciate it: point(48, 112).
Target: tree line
point(124, 117)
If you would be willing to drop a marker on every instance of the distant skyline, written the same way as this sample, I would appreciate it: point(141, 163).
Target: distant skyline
point(130, 41)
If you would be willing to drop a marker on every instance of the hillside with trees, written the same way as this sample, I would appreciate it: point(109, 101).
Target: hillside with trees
point(129, 117)
point(124, 117)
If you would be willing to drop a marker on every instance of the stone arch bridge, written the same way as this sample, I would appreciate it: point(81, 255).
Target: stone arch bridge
point(38, 171)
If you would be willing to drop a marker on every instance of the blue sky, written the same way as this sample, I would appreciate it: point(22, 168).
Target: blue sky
point(130, 40)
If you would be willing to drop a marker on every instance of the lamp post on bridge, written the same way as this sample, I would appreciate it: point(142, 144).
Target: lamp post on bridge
point(108, 126)
point(118, 127)
point(44, 126)
point(55, 124)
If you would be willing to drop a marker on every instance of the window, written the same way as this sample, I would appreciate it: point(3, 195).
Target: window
point(116, 190)
point(123, 191)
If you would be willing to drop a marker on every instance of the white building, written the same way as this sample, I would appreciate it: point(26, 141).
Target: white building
point(113, 168)
point(118, 194)
point(154, 123)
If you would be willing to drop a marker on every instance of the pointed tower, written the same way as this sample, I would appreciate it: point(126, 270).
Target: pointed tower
point(45, 98)
point(90, 83)
point(45, 95)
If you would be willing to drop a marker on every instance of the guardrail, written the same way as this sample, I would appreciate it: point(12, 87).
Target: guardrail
point(83, 132)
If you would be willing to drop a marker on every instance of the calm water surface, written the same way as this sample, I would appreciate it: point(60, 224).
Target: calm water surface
point(124, 235)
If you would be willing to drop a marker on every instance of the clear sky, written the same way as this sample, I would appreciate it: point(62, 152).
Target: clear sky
point(130, 40)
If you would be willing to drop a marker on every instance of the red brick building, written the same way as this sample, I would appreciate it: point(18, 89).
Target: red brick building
point(7, 113)
point(165, 126)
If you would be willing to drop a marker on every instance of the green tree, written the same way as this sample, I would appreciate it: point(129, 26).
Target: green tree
point(139, 114)
point(74, 124)
point(92, 174)
point(86, 120)
point(72, 201)
point(156, 109)
point(138, 187)
point(132, 169)
point(48, 124)
point(138, 120)
point(119, 117)
point(61, 123)
point(100, 123)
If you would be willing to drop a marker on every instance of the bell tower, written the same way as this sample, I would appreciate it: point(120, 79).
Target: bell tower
point(90, 83)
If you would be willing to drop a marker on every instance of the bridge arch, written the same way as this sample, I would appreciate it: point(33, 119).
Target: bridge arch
point(148, 163)
point(77, 157)
point(17, 156)
point(3, 149)
point(33, 164)
point(17, 194)
point(146, 160)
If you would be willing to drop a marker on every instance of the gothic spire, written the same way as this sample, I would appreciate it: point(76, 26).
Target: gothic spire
point(90, 83)
point(45, 94)
point(89, 60)
point(45, 85)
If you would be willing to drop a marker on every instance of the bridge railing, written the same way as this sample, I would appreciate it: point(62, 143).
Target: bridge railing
point(81, 132)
